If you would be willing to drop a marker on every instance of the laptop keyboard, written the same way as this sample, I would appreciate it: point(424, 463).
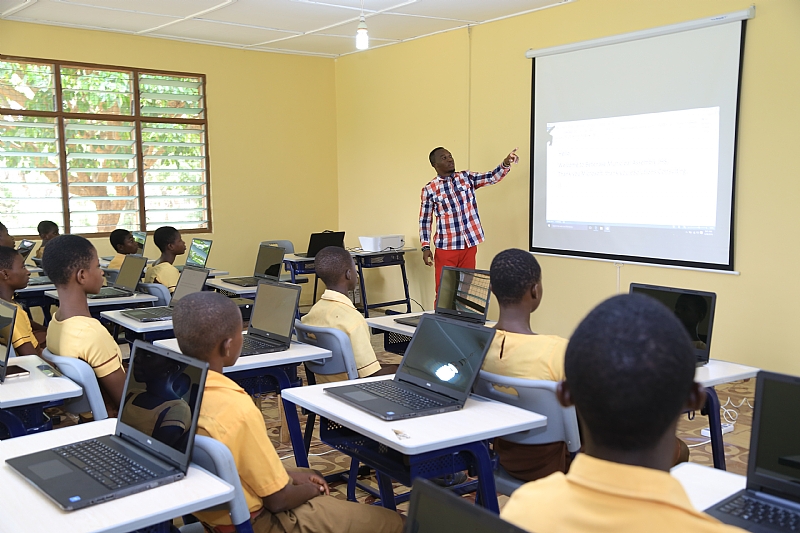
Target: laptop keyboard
point(105, 464)
point(244, 282)
point(156, 312)
point(113, 291)
point(389, 390)
point(252, 346)
point(759, 512)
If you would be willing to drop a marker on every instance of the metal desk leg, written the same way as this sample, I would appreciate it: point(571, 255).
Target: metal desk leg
point(14, 425)
point(292, 420)
point(711, 410)
point(487, 491)
point(359, 264)
point(387, 491)
point(405, 284)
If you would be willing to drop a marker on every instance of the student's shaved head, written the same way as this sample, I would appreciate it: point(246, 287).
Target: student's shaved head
point(331, 263)
point(203, 320)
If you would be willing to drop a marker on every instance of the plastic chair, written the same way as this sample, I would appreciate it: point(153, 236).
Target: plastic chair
point(537, 396)
point(215, 457)
point(81, 373)
point(289, 249)
point(111, 275)
point(158, 290)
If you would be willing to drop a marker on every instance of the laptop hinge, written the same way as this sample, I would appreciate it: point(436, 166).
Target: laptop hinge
point(134, 444)
point(776, 497)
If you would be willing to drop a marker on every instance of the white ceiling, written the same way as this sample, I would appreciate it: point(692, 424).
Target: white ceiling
point(311, 27)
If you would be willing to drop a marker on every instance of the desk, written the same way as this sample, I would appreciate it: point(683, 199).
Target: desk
point(22, 399)
point(249, 371)
point(34, 269)
point(24, 508)
point(98, 305)
point(146, 331)
point(397, 336)
point(34, 296)
point(229, 289)
point(706, 486)
point(717, 372)
point(436, 444)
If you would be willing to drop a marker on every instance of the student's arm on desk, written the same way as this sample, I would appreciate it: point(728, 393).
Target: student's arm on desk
point(292, 495)
point(112, 386)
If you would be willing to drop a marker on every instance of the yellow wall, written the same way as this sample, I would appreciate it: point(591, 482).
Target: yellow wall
point(272, 131)
point(395, 104)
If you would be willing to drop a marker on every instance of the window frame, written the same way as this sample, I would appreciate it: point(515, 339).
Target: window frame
point(136, 118)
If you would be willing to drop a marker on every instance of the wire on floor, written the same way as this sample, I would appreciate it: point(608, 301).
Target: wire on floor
point(310, 455)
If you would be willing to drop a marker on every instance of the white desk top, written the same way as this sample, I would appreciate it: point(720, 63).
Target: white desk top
point(361, 253)
point(297, 353)
point(104, 261)
point(717, 372)
point(214, 273)
point(133, 324)
point(37, 288)
point(387, 323)
point(33, 269)
point(24, 508)
point(137, 298)
point(36, 387)
point(480, 419)
point(706, 486)
point(235, 289)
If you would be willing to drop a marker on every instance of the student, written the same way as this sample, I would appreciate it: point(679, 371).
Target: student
point(123, 243)
point(72, 264)
point(630, 374)
point(209, 327)
point(335, 267)
point(5, 238)
point(48, 230)
point(169, 241)
point(518, 352)
point(28, 337)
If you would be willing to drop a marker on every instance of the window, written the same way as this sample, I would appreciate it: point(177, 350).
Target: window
point(95, 148)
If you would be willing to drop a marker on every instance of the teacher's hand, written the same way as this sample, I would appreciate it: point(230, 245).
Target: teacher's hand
point(427, 257)
point(511, 158)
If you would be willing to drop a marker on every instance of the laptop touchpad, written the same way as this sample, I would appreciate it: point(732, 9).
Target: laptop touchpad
point(360, 396)
point(50, 469)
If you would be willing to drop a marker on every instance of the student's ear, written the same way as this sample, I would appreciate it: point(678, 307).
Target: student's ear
point(697, 398)
point(80, 276)
point(564, 394)
point(536, 290)
point(226, 349)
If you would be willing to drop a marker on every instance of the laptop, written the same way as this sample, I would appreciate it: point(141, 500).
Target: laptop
point(25, 248)
point(695, 310)
point(8, 314)
point(771, 500)
point(272, 319)
point(433, 509)
point(318, 241)
point(463, 294)
point(436, 374)
point(39, 280)
point(143, 453)
point(198, 253)
point(268, 266)
point(192, 280)
point(141, 238)
point(128, 278)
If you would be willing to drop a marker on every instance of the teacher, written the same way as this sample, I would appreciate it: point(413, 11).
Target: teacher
point(451, 197)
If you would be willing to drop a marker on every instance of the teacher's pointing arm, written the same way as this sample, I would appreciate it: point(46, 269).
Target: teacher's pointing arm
point(425, 222)
point(494, 176)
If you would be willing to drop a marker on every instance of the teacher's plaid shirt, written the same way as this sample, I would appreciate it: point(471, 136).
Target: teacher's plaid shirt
point(452, 199)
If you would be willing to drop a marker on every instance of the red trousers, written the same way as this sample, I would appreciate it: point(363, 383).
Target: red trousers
point(455, 258)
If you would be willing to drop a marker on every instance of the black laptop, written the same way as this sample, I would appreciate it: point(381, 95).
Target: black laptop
point(130, 273)
point(463, 294)
point(192, 280)
point(39, 280)
point(436, 374)
point(25, 248)
point(268, 266)
point(152, 444)
point(272, 319)
point(771, 501)
point(198, 253)
point(695, 310)
point(433, 509)
point(318, 241)
point(8, 314)
point(140, 237)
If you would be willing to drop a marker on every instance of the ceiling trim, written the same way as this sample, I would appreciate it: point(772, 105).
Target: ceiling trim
point(18, 7)
point(225, 3)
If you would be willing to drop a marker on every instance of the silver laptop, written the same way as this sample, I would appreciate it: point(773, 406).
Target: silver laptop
point(130, 273)
point(436, 374)
point(141, 239)
point(192, 280)
point(8, 314)
point(268, 266)
point(25, 248)
point(144, 452)
point(198, 253)
point(272, 320)
point(771, 500)
point(463, 294)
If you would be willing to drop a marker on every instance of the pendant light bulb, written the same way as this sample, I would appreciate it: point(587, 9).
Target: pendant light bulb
point(362, 37)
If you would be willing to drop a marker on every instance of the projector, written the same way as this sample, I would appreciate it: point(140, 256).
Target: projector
point(381, 243)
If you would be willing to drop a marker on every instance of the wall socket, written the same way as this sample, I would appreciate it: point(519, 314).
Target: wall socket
point(726, 428)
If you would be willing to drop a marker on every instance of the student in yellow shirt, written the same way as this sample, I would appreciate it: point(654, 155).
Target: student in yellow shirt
point(48, 230)
point(518, 352)
point(209, 327)
point(169, 241)
point(630, 374)
point(335, 267)
point(28, 337)
point(123, 243)
point(5, 238)
point(71, 263)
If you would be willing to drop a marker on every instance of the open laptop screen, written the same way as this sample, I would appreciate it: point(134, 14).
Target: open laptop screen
point(445, 353)
point(274, 310)
point(463, 292)
point(192, 280)
point(7, 315)
point(269, 262)
point(198, 252)
point(162, 399)
point(130, 272)
point(140, 237)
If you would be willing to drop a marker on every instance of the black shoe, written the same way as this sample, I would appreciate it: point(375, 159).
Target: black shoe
point(450, 480)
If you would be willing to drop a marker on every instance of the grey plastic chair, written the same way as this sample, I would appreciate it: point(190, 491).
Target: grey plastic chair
point(288, 248)
point(111, 275)
point(81, 373)
point(215, 457)
point(158, 290)
point(537, 396)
